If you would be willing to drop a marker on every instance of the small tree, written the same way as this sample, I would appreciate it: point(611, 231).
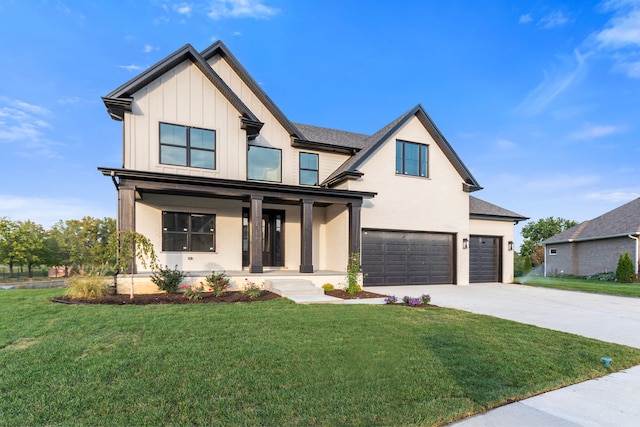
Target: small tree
point(625, 273)
point(132, 246)
point(353, 271)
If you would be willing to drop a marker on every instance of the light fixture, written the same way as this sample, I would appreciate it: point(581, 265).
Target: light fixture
point(510, 245)
point(465, 243)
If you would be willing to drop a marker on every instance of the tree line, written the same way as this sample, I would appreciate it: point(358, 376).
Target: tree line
point(88, 245)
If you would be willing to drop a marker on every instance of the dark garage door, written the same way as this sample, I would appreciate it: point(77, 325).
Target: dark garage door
point(406, 258)
point(484, 259)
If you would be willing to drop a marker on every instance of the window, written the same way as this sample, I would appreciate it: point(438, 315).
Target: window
point(411, 159)
point(308, 169)
point(264, 164)
point(553, 251)
point(187, 146)
point(188, 232)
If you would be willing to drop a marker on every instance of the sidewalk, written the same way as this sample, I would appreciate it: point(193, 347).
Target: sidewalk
point(613, 400)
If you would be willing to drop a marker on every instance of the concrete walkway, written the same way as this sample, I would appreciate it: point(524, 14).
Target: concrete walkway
point(613, 400)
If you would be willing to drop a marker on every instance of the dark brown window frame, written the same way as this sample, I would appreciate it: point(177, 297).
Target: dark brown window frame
point(188, 147)
point(317, 171)
point(189, 233)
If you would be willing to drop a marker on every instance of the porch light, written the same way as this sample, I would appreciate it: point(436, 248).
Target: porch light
point(510, 245)
point(465, 243)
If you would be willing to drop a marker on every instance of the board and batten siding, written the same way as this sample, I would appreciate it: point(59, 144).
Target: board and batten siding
point(433, 204)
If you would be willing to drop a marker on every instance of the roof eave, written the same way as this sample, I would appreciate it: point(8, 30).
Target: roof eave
point(515, 219)
point(587, 239)
point(116, 107)
point(323, 146)
point(343, 176)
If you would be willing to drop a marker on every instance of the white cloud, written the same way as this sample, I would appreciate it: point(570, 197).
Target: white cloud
point(553, 85)
point(182, 8)
point(623, 29)
point(25, 126)
point(69, 100)
point(240, 9)
point(552, 20)
point(614, 196)
point(595, 131)
point(237, 33)
point(505, 144)
point(525, 18)
point(131, 67)
point(57, 208)
point(148, 48)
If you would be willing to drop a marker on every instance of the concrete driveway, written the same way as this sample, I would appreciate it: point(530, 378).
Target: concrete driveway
point(609, 401)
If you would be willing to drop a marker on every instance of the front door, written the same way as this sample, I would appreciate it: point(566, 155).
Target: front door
point(272, 238)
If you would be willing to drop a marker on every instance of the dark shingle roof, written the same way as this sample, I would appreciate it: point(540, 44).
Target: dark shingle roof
point(618, 222)
point(332, 136)
point(480, 209)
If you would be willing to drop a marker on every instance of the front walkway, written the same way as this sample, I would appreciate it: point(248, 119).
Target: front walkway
point(608, 401)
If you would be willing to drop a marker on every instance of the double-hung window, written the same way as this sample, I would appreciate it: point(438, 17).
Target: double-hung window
point(264, 164)
point(187, 146)
point(412, 159)
point(188, 232)
point(308, 169)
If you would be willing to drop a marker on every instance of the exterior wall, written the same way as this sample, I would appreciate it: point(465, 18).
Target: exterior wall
point(436, 204)
point(588, 257)
point(502, 229)
point(334, 235)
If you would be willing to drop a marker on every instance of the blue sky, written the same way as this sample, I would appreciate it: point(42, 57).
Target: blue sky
point(540, 99)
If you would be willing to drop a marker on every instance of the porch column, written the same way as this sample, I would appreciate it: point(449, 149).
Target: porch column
point(255, 256)
point(306, 236)
point(127, 218)
point(354, 226)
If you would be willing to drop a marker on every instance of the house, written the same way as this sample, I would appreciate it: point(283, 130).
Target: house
point(218, 178)
point(595, 246)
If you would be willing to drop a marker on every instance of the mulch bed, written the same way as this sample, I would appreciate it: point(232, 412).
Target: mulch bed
point(339, 293)
point(146, 299)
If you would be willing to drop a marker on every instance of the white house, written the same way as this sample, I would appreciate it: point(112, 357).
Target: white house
point(218, 178)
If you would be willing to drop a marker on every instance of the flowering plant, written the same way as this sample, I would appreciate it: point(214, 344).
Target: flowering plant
point(391, 299)
point(219, 283)
point(426, 298)
point(250, 288)
point(192, 292)
point(415, 301)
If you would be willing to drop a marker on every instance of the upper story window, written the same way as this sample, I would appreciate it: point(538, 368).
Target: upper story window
point(187, 146)
point(308, 169)
point(264, 164)
point(188, 232)
point(412, 159)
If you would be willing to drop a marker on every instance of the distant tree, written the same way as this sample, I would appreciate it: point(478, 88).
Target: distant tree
point(7, 242)
point(536, 232)
point(526, 269)
point(21, 243)
point(625, 273)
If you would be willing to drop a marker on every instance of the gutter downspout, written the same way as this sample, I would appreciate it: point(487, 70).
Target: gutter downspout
point(545, 260)
point(636, 257)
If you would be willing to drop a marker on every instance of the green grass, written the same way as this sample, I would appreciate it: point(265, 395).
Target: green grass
point(273, 363)
point(594, 286)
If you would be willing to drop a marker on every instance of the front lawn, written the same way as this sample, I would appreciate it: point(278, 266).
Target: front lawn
point(595, 286)
point(274, 363)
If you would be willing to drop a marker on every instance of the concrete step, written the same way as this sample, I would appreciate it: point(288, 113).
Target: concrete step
point(286, 291)
point(315, 299)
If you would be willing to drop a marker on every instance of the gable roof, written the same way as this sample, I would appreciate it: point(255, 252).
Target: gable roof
point(120, 100)
point(622, 221)
point(349, 169)
point(479, 209)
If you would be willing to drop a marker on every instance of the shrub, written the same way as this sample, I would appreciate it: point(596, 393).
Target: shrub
point(605, 277)
point(219, 283)
point(192, 292)
point(250, 288)
point(87, 287)
point(391, 299)
point(426, 298)
point(328, 287)
point(167, 279)
point(353, 271)
point(625, 273)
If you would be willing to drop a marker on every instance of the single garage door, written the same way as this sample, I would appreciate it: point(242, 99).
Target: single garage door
point(484, 259)
point(407, 258)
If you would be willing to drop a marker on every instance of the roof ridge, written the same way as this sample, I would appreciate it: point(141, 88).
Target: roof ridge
point(579, 230)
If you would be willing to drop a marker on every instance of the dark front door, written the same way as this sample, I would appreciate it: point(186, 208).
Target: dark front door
point(272, 238)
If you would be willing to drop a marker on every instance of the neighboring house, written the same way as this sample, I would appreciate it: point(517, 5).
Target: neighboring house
point(218, 178)
point(595, 246)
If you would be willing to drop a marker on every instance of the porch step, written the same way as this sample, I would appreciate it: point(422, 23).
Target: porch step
point(300, 291)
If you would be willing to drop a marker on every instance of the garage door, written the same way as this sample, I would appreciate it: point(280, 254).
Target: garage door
point(484, 259)
point(407, 258)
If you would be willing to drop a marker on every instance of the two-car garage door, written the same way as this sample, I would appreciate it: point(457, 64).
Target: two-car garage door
point(407, 258)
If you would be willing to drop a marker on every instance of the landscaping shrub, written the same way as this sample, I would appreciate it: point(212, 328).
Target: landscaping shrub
point(250, 288)
point(192, 292)
point(219, 283)
point(168, 279)
point(87, 287)
point(328, 287)
point(609, 276)
point(391, 299)
point(625, 273)
point(353, 271)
